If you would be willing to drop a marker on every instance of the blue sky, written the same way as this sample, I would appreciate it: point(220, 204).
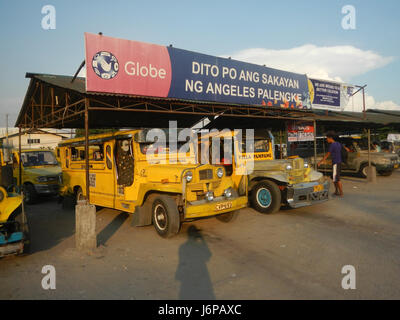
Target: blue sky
point(212, 27)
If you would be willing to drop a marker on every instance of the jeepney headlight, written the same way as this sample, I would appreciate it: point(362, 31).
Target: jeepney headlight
point(228, 192)
point(210, 196)
point(306, 165)
point(60, 178)
point(289, 167)
point(189, 176)
point(220, 172)
point(42, 179)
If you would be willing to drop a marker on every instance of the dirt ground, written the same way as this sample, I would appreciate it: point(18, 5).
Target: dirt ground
point(293, 254)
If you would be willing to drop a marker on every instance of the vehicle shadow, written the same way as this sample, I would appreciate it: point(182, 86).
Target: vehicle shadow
point(192, 271)
point(104, 235)
point(49, 224)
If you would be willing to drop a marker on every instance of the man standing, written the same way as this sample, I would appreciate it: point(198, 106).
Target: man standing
point(335, 151)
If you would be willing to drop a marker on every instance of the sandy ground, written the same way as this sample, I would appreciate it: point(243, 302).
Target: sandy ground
point(293, 254)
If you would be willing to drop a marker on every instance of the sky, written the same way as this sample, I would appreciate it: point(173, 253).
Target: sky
point(299, 36)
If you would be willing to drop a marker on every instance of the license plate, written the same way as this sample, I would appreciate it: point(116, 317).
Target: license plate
point(223, 206)
point(318, 188)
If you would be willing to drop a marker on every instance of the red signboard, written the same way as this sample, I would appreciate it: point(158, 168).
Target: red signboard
point(300, 131)
point(145, 68)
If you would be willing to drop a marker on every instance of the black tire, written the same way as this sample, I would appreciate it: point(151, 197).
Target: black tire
point(24, 228)
point(385, 173)
point(228, 217)
point(30, 194)
point(79, 195)
point(266, 197)
point(165, 216)
point(363, 170)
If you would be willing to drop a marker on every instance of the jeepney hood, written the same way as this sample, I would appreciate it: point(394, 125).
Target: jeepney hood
point(377, 155)
point(42, 170)
point(278, 169)
point(279, 164)
point(166, 173)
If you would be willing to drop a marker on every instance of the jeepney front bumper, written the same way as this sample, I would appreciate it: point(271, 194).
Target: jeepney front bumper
point(47, 188)
point(386, 167)
point(306, 194)
point(204, 208)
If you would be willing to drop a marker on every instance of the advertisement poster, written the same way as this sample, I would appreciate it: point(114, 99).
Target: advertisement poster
point(328, 94)
point(300, 131)
point(142, 69)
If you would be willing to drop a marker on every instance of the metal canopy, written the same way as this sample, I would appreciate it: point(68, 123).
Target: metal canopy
point(53, 101)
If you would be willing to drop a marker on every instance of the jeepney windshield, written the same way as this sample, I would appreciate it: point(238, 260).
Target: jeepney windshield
point(38, 158)
point(259, 146)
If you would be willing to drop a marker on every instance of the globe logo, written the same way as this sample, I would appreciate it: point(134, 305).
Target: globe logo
point(105, 65)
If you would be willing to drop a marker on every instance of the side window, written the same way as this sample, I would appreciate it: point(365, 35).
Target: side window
point(124, 162)
point(66, 159)
point(108, 157)
point(98, 152)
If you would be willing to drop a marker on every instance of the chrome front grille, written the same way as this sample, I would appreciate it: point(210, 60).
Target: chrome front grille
point(52, 178)
point(298, 164)
point(205, 174)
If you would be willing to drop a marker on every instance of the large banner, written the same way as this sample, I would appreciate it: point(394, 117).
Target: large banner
point(329, 94)
point(137, 68)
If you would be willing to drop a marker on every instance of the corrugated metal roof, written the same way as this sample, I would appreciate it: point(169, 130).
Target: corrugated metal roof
point(381, 117)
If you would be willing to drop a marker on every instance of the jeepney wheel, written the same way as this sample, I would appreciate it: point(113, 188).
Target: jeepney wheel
point(79, 195)
point(266, 197)
point(385, 173)
point(228, 217)
point(165, 216)
point(363, 170)
point(30, 194)
point(24, 228)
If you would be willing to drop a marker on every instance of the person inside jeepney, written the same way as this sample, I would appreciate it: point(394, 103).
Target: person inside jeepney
point(125, 163)
point(349, 147)
point(226, 159)
point(376, 147)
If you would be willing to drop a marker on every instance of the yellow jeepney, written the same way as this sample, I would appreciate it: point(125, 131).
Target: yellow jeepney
point(14, 231)
point(271, 182)
point(41, 173)
point(163, 187)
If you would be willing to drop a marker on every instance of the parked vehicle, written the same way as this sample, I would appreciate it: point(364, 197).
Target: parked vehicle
point(156, 188)
point(14, 231)
point(272, 183)
point(41, 173)
point(357, 161)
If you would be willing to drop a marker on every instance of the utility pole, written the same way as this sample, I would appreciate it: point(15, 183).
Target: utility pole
point(7, 129)
point(363, 93)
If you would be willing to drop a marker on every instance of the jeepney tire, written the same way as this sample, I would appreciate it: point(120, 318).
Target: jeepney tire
point(228, 217)
point(363, 170)
point(168, 224)
point(271, 190)
point(79, 195)
point(386, 173)
point(25, 230)
point(30, 194)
